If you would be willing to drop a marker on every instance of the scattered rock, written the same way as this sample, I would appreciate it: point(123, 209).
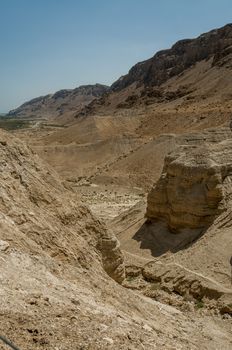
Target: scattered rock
point(4, 245)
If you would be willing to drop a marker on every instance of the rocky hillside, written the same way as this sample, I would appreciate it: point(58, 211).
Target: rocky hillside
point(62, 103)
point(37, 207)
point(181, 251)
point(190, 70)
point(54, 289)
point(117, 138)
point(165, 64)
point(66, 282)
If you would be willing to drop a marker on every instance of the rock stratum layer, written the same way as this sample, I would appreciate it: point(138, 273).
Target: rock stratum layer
point(191, 71)
point(195, 186)
point(183, 54)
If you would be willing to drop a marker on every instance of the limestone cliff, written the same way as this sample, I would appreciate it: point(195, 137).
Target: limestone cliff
point(195, 186)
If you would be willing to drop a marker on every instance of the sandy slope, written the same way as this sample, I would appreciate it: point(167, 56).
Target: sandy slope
point(54, 291)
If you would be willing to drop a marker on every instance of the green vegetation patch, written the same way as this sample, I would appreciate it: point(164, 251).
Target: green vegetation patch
point(199, 304)
point(13, 124)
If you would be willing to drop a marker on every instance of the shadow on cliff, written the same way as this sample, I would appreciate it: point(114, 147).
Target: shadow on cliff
point(159, 239)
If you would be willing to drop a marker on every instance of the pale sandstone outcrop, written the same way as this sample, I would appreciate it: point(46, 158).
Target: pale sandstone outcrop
point(44, 215)
point(174, 278)
point(195, 186)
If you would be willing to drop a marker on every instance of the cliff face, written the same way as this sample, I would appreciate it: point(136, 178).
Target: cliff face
point(195, 186)
point(183, 54)
point(192, 70)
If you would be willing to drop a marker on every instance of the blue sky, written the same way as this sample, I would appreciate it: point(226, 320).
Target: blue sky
point(47, 45)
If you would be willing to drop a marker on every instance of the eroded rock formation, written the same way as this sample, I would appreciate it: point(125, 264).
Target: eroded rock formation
point(37, 212)
point(195, 186)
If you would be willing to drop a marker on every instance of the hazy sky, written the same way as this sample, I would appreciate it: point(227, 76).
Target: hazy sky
point(47, 45)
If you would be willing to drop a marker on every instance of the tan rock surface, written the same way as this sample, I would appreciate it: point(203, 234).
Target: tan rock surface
point(34, 198)
point(195, 186)
point(174, 278)
point(54, 292)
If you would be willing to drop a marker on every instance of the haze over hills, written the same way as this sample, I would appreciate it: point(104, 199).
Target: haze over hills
point(63, 102)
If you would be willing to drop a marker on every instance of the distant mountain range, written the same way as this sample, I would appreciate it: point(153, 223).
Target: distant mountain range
point(191, 69)
point(63, 102)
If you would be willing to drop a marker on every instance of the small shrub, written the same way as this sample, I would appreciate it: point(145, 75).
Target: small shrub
point(199, 304)
point(13, 124)
point(130, 278)
point(155, 286)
